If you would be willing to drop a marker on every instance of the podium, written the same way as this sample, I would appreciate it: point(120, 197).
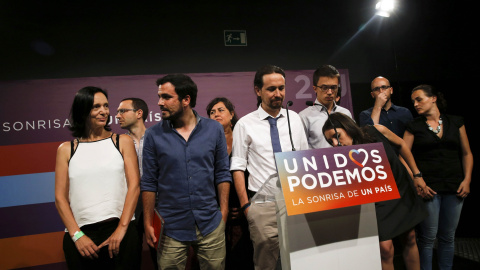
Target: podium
point(344, 238)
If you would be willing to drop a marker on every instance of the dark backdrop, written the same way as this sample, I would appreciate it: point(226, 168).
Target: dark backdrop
point(425, 41)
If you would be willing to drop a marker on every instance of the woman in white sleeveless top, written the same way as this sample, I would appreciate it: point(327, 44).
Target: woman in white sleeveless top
point(96, 189)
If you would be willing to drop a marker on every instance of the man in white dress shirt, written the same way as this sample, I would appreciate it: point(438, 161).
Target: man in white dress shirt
point(253, 150)
point(326, 84)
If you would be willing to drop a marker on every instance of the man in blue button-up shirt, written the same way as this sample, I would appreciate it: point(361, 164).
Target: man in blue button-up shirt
point(384, 112)
point(185, 160)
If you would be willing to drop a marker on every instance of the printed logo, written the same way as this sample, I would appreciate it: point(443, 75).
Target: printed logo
point(358, 152)
point(322, 179)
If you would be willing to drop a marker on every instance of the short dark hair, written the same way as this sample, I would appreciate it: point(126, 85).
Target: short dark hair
point(431, 91)
point(265, 70)
point(184, 86)
point(139, 104)
point(228, 105)
point(80, 111)
point(327, 71)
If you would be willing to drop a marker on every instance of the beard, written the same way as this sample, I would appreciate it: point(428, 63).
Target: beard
point(169, 114)
point(275, 103)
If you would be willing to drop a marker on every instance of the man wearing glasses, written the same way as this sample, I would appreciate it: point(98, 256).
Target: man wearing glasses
point(131, 115)
point(384, 112)
point(326, 84)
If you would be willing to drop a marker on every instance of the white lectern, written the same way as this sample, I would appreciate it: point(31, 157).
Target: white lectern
point(344, 238)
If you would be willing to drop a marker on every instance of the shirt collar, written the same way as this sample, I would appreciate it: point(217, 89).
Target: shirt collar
point(323, 107)
point(198, 117)
point(393, 107)
point(262, 114)
point(130, 134)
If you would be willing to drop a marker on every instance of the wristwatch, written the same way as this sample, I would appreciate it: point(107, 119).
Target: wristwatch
point(419, 174)
point(245, 206)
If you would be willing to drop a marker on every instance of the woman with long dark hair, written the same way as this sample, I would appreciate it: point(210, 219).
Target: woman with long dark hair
point(395, 218)
point(96, 188)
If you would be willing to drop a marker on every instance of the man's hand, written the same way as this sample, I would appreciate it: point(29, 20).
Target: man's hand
point(246, 211)
point(150, 235)
point(381, 100)
point(234, 213)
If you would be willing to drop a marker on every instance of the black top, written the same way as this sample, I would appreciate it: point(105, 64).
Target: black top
point(439, 159)
point(397, 216)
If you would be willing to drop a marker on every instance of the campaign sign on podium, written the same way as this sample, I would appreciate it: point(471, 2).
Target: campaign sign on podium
point(329, 178)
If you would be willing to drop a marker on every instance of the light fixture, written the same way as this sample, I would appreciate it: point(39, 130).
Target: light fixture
point(385, 7)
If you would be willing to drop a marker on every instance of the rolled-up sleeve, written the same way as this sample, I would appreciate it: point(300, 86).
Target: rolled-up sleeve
point(239, 148)
point(222, 162)
point(150, 164)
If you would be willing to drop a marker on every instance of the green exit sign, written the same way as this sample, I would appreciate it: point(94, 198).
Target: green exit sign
point(235, 37)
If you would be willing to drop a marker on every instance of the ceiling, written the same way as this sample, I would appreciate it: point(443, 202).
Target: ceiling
point(424, 39)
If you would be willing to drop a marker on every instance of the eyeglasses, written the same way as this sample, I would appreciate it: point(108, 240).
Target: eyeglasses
point(122, 111)
point(383, 87)
point(325, 87)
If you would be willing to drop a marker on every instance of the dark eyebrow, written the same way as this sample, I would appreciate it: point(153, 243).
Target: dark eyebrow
point(281, 87)
point(165, 95)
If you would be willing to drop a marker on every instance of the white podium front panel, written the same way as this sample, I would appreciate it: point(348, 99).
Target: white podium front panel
point(345, 238)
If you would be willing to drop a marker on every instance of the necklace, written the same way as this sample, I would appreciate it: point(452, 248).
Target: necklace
point(439, 127)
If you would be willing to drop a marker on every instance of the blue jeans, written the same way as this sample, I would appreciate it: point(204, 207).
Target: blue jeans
point(444, 213)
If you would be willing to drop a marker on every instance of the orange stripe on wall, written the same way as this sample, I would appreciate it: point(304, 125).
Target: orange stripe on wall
point(31, 250)
point(28, 158)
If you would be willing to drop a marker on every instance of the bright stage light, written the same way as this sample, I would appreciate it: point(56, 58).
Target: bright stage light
point(385, 7)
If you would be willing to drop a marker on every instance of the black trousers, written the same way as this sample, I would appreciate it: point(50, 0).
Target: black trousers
point(129, 256)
